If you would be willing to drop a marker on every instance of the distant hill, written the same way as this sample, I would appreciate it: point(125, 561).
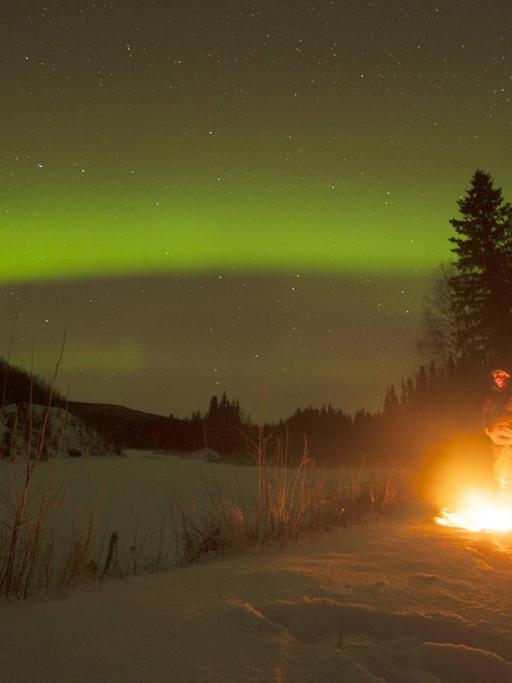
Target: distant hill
point(119, 426)
point(127, 428)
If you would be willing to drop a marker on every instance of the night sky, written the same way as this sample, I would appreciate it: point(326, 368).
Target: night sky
point(236, 195)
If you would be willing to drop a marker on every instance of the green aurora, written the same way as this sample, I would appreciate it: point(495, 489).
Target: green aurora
point(331, 138)
point(82, 232)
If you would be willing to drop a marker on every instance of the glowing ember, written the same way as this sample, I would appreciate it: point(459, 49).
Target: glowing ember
point(480, 511)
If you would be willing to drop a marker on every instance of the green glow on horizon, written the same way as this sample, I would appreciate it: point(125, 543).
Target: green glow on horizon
point(125, 355)
point(76, 234)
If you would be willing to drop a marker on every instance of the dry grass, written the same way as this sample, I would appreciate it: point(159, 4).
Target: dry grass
point(30, 558)
point(50, 551)
point(287, 502)
point(24, 549)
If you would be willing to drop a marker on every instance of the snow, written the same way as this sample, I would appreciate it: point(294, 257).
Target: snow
point(205, 454)
point(399, 599)
point(65, 434)
point(130, 494)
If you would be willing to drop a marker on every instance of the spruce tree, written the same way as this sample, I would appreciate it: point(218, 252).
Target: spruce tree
point(482, 285)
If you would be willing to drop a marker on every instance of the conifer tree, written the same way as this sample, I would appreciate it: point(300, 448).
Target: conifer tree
point(391, 403)
point(482, 286)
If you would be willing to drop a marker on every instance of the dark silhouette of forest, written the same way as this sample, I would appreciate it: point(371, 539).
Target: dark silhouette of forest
point(18, 386)
point(467, 331)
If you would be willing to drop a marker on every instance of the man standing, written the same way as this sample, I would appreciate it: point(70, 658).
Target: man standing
point(497, 416)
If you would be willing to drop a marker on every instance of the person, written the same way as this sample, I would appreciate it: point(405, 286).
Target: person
point(497, 417)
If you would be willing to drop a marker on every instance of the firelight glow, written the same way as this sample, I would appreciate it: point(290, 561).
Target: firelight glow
point(480, 511)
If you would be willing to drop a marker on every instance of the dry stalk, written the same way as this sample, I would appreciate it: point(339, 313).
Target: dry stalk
point(287, 503)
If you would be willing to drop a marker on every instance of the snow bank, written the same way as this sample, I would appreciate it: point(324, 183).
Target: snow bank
point(204, 455)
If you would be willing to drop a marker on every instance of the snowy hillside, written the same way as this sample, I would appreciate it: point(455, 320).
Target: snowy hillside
point(64, 433)
point(402, 599)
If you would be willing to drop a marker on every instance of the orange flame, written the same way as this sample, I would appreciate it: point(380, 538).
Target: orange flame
point(480, 511)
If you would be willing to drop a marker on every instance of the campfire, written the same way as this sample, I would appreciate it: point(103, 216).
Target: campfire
point(480, 511)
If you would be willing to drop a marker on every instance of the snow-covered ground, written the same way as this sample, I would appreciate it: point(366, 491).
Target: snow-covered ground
point(400, 599)
point(128, 494)
point(131, 495)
